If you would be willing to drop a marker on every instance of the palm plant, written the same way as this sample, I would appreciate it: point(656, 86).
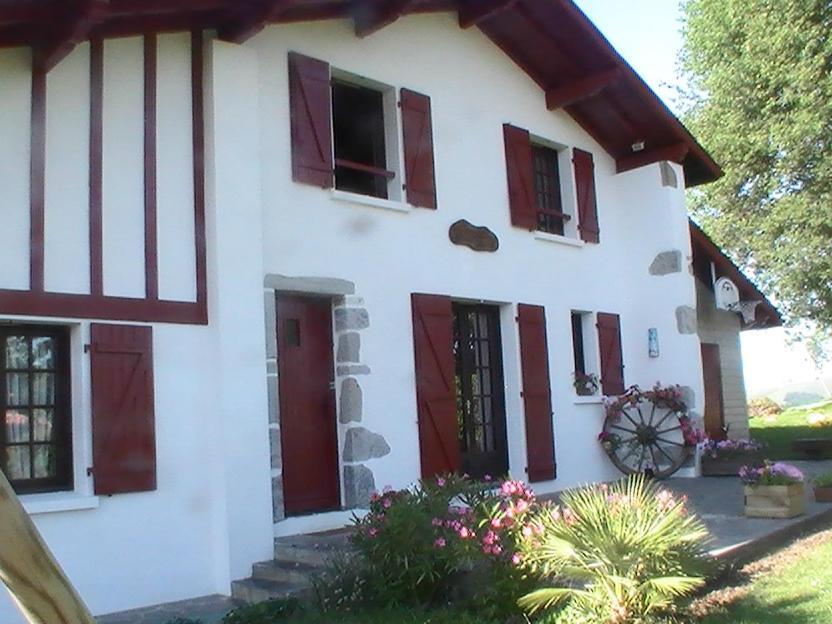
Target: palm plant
point(619, 554)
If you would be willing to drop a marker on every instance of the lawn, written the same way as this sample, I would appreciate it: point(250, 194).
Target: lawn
point(793, 586)
point(779, 432)
point(387, 616)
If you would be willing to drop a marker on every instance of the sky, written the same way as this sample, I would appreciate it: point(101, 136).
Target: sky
point(647, 34)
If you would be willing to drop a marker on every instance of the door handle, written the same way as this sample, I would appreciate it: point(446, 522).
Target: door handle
point(332, 385)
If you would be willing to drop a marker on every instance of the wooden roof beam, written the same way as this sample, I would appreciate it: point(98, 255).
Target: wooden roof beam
point(250, 18)
point(75, 27)
point(474, 12)
point(370, 16)
point(578, 90)
point(674, 153)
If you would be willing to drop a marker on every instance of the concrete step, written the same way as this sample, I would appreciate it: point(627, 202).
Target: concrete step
point(285, 571)
point(253, 590)
point(315, 549)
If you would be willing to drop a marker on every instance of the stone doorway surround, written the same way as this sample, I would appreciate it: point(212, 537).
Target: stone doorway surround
point(357, 444)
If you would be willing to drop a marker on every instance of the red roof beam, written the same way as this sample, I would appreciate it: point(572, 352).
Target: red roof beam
point(370, 17)
point(474, 12)
point(579, 90)
point(674, 153)
point(248, 19)
point(76, 28)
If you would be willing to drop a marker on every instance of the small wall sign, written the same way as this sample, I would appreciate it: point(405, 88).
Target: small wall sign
point(653, 342)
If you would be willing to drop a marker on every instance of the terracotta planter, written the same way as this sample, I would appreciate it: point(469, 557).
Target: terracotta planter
point(774, 501)
point(823, 494)
point(726, 466)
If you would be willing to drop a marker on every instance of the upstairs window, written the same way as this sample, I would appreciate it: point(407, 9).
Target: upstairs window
point(35, 448)
point(358, 132)
point(550, 216)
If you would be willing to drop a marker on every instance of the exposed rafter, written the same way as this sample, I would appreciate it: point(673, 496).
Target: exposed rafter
point(578, 90)
point(371, 16)
point(80, 18)
point(249, 18)
point(674, 153)
point(473, 12)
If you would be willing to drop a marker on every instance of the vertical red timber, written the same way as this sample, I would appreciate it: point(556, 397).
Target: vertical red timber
point(151, 260)
point(37, 178)
point(96, 140)
point(198, 133)
point(537, 394)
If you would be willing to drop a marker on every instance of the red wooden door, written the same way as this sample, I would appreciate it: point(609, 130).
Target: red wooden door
point(712, 376)
point(307, 405)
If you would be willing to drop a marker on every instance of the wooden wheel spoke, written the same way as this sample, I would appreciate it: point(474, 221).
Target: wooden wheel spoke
point(627, 416)
point(620, 428)
point(666, 441)
point(663, 452)
point(641, 459)
point(640, 415)
point(678, 427)
point(667, 415)
point(652, 413)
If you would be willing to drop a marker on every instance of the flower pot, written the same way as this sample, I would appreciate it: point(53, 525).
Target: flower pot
point(823, 494)
point(727, 466)
point(774, 501)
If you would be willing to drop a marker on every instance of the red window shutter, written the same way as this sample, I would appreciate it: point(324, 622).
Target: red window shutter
point(123, 432)
point(435, 384)
point(310, 105)
point(612, 362)
point(537, 396)
point(585, 191)
point(520, 170)
point(417, 130)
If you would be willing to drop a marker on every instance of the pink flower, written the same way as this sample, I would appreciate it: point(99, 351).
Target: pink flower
point(372, 532)
point(465, 533)
point(527, 531)
point(490, 538)
point(387, 503)
point(437, 522)
point(522, 506)
point(439, 543)
point(487, 478)
point(516, 559)
point(440, 482)
point(496, 523)
point(496, 549)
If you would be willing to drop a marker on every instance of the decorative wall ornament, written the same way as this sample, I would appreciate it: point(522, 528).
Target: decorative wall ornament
point(476, 237)
point(653, 342)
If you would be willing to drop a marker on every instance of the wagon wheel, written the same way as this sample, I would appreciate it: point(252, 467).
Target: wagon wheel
point(646, 437)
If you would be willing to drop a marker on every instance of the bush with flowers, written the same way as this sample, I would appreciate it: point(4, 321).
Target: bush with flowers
point(771, 473)
point(623, 553)
point(719, 449)
point(445, 539)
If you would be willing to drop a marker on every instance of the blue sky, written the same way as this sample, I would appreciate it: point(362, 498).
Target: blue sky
point(647, 34)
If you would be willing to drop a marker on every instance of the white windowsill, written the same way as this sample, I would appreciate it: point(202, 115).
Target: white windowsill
point(54, 502)
point(557, 238)
point(366, 200)
point(588, 400)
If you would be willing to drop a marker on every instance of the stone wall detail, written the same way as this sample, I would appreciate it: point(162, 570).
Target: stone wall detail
point(686, 319)
point(666, 263)
point(669, 177)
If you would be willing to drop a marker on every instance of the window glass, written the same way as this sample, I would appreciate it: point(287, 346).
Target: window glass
point(550, 217)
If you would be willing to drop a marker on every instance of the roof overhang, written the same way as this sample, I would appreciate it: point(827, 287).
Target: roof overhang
point(710, 261)
point(551, 40)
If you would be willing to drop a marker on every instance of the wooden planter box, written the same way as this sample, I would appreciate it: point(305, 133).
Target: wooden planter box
point(823, 494)
point(774, 501)
point(726, 466)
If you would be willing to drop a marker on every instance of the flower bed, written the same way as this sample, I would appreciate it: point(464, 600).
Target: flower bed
point(725, 458)
point(773, 490)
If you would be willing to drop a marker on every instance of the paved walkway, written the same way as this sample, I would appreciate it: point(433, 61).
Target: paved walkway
point(717, 500)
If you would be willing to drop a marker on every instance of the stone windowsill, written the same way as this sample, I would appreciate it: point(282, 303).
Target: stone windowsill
point(55, 502)
point(366, 200)
point(588, 400)
point(558, 239)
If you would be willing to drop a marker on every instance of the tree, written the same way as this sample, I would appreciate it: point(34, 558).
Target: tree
point(759, 97)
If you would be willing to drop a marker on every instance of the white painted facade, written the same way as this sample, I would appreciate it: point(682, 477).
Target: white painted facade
point(211, 516)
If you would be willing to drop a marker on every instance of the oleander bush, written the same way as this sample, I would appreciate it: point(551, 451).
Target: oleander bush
point(624, 553)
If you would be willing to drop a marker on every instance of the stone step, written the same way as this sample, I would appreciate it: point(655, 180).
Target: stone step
point(314, 549)
point(285, 571)
point(254, 590)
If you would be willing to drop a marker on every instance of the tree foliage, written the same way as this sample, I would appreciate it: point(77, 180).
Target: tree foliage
point(760, 99)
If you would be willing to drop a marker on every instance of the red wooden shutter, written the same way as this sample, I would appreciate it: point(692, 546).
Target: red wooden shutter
point(537, 397)
point(417, 130)
point(612, 362)
point(435, 384)
point(587, 203)
point(123, 432)
point(520, 170)
point(310, 105)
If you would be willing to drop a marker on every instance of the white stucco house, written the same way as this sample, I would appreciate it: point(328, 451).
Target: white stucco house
point(260, 259)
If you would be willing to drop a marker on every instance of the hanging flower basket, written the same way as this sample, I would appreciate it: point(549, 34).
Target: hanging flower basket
point(773, 490)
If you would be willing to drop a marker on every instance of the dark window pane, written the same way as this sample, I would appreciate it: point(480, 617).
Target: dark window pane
point(17, 352)
point(17, 425)
point(17, 463)
point(43, 352)
point(547, 189)
point(43, 423)
point(578, 342)
point(43, 388)
point(17, 389)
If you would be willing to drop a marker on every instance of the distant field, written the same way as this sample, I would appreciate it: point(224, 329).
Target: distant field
point(779, 433)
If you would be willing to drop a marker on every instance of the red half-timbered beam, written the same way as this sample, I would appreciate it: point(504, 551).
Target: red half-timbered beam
point(474, 12)
point(198, 137)
point(578, 90)
point(250, 18)
point(96, 165)
point(151, 255)
point(37, 179)
point(674, 153)
point(74, 27)
point(371, 16)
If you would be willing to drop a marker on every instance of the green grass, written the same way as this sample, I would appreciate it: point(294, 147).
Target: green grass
point(389, 616)
point(779, 432)
point(799, 593)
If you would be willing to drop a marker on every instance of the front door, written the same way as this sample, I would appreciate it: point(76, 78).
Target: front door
point(307, 405)
point(712, 377)
point(480, 401)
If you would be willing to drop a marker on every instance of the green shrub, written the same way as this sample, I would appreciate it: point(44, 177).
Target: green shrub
point(823, 480)
point(618, 554)
point(269, 612)
point(763, 406)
